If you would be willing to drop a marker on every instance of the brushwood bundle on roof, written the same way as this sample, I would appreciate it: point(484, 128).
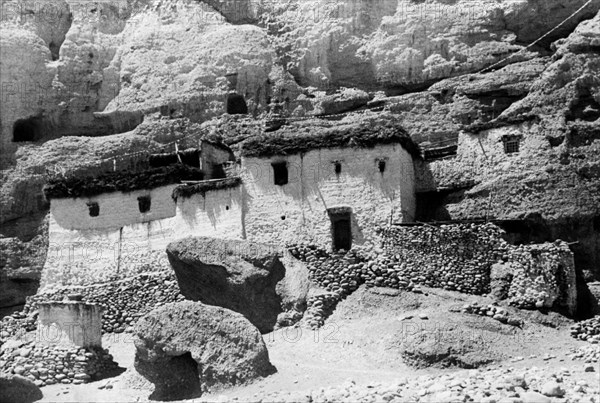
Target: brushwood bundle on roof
point(122, 181)
point(503, 121)
point(189, 157)
point(300, 139)
point(188, 190)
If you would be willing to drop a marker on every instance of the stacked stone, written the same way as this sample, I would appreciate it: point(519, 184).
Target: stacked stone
point(534, 283)
point(47, 365)
point(493, 311)
point(320, 307)
point(336, 272)
point(17, 323)
point(587, 330)
point(453, 257)
point(122, 302)
point(488, 385)
point(587, 354)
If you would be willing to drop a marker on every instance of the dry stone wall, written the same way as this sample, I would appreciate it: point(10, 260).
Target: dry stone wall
point(456, 257)
point(122, 302)
point(48, 364)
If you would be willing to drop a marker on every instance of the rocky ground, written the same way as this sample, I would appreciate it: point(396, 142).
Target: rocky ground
point(359, 355)
point(97, 83)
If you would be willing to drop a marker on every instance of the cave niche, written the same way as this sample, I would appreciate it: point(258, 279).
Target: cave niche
point(29, 129)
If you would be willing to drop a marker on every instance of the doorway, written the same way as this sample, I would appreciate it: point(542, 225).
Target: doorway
point(341, 228)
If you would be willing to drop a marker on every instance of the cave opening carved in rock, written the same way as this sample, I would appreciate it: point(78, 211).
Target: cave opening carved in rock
point(236, 105)
point(30, 129)
point(175, 378)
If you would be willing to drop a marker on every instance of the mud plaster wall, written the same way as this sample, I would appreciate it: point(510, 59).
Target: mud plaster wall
point(79, 257)
point(297, 211)
point(481, 155)
point(117, 209)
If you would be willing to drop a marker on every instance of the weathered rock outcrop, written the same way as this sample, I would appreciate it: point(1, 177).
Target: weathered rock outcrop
point(401, 45)
point(187, 347)
point(18, 389)
point(557, 120)
point(245, 277)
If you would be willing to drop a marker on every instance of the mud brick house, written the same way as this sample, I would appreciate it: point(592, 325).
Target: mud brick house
point(332, 187)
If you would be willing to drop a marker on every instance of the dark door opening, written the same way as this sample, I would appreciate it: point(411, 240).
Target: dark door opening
point(342, 232)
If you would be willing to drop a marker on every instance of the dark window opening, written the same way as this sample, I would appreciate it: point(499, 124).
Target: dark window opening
point(236, 105)
point(511, 144)
point(218, 171)
point(226, 207)
point(144, 203)
point(27, 129)
point(282, 217)
point(280, 173)
point(94, 209)
point(597, 223)
point(54, 50)
point(381, 166)
point(338, 168)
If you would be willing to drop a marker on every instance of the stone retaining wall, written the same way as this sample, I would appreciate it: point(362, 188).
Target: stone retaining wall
point(456, 257)
point(48, 364)
point(122, 302)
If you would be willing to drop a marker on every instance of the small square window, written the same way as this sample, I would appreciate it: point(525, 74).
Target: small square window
point(280, 173)
point(144, 203)
point(338, 167)
point(94, 209)
point(381, 166)
point(511, 144)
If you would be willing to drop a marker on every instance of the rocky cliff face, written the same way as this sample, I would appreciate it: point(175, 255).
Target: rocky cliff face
point(83, 82)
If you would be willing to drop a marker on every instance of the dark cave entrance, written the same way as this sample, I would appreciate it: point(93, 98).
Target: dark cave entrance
point(236, 105)
point(175, 378)
point(30, 129)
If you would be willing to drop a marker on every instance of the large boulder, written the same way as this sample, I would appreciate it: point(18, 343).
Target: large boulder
point(245, 277)
point(188, 347)
point(18, 389)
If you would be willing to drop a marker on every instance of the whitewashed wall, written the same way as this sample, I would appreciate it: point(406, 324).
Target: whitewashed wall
point(121, 241)
point(298, 211)
point(84, 256)
point(117, 209)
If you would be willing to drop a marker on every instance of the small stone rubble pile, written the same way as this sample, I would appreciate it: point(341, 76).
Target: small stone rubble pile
point(47, 365)
point(493, 311)
point(587, 354)
point(587, 330)
point(534, 385)
point(122, 302)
